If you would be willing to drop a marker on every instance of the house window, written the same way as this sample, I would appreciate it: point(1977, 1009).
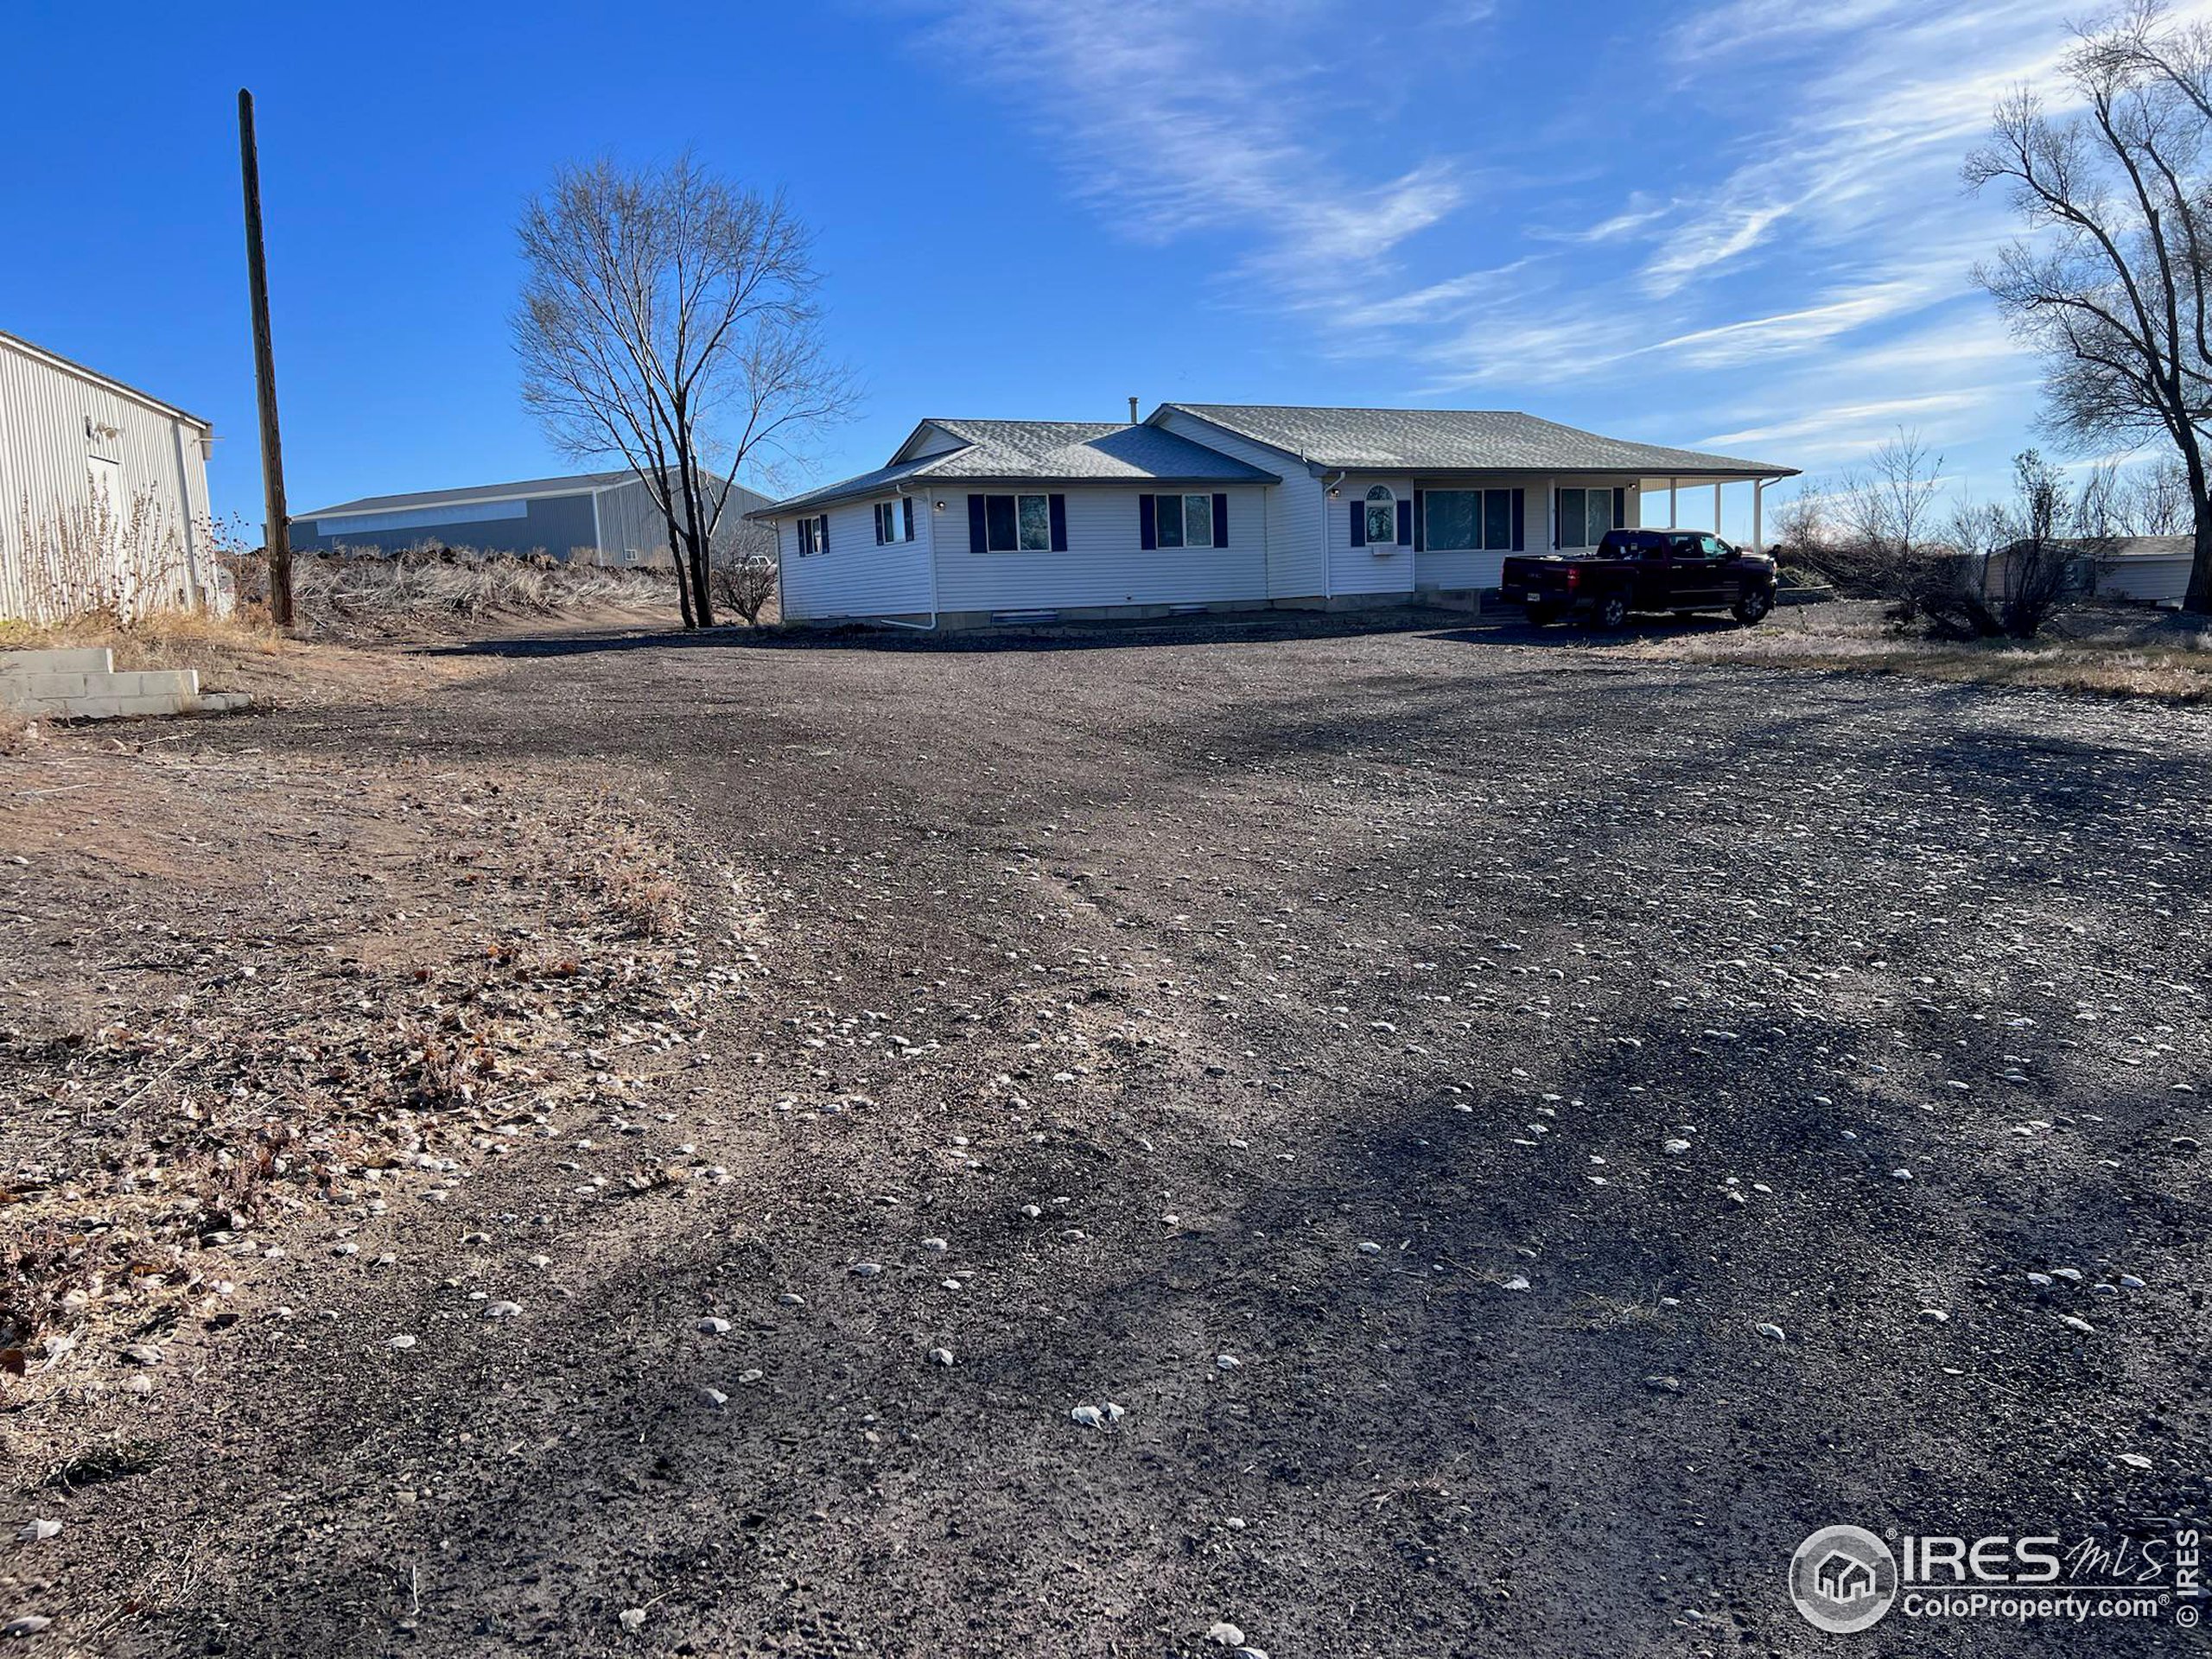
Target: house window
point(894, 521)
point(1382, 517)
point(1035, 513)
point(1585, 516)
point(1185, 520)
point(1018, 523)
point(1473, 521)
point(814, 534)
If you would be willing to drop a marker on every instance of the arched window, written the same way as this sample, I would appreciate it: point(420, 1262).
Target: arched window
point(1382, 517)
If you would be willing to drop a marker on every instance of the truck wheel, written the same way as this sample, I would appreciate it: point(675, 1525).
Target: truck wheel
point(1611, 612)
point(1753, 606)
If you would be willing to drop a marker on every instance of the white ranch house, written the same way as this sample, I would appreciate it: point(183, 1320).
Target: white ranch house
point(1218, 506)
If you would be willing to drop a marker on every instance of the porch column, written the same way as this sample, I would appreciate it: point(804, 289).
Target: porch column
point(1673, 493)
point(1716, 506)
point(1758, 513)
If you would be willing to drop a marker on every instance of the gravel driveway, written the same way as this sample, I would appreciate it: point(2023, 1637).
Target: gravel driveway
point(1505, 1144)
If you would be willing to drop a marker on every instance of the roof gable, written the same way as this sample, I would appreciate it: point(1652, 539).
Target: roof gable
point(1045, 452)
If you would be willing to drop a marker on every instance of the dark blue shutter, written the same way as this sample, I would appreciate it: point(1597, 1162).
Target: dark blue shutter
point(1220, 519)
point(978, 540)
point(1421, 521)
point(1147, 527)
point(1520, 521)
point(1405, 524)
point(1620, 508)
point(1059, 506)
point(878, 516)
point(908, 504)
point(1359, 524)
point(1555, 496)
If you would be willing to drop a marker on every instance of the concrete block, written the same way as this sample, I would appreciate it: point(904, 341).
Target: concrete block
point(71, 659)
point(31, 692)
point(153, 703)
point(152, 682)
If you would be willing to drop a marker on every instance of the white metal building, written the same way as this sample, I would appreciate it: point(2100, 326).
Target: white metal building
point(86, 459)
point(1209, 506)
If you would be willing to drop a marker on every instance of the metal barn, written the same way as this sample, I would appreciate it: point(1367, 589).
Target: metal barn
point(102, 491)
point(593, 518)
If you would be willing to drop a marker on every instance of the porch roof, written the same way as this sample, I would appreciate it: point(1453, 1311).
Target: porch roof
point(1458, 441)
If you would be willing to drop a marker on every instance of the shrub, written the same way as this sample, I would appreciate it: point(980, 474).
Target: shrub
point(745, 587)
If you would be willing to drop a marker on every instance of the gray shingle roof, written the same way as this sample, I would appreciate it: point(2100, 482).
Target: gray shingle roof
point(2135, 547)
point(575, 484)
point(1046, 451)
point(1459, 440)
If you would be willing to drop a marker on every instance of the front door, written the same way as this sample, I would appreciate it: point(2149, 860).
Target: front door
point(106, 478)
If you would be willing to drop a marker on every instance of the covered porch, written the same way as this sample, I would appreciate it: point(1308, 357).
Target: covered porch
point(1700, 502)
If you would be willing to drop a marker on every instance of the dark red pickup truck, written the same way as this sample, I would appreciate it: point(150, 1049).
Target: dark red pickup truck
point(1678, 570)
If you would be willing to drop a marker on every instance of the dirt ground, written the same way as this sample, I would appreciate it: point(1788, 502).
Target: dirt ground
point(505, 1169)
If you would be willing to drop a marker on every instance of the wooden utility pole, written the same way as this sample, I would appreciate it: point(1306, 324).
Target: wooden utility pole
point(278, 531)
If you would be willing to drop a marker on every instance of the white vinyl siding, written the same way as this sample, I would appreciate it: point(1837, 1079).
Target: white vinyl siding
point(854, 576)
point(2148, 581)
point(1105, 563)
point(1370, 569)
point(1294, 508)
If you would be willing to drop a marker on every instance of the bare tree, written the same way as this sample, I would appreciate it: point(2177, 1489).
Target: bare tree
point(670, 318)
point(2007, 568)
point(2111, 285)
point(2103, 508)
point(1869, 532)
point(2158, 499)
point(1804, 525)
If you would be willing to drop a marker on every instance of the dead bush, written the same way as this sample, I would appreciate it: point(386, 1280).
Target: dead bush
point(745, 587)
point(623, 869)
point(120, 560)
point(339, 591)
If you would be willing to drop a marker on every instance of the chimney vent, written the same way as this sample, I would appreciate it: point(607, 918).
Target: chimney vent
point(1133, 411)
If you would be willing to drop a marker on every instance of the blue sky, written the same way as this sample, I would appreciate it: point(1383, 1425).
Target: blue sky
point(1736, 225)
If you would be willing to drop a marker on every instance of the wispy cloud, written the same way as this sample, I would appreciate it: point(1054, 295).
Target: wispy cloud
point(1857, 425)
point(1171, 112)
point(1797, 275)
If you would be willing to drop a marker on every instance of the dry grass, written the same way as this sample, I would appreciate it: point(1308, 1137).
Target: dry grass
point(353, 595)
point(223, 649)
point(623, 868)
point(2106, 651)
